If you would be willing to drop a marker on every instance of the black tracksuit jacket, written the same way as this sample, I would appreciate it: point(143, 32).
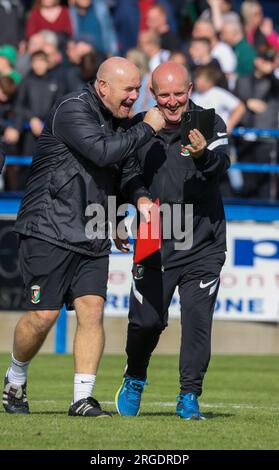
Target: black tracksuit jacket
point(178, 179)
point(77, 157)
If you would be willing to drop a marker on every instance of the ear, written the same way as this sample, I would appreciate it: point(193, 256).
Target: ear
point(103, 87)
point(190, 89)
point(152, 93)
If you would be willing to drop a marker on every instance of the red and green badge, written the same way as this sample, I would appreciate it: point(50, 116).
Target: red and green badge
point(184, 151)
point(35, 294)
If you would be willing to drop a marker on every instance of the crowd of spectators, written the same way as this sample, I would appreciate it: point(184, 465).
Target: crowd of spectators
point(52, 47)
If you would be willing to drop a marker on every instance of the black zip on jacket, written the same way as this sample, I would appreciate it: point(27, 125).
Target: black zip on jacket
point(178, 179)
point(74, 166)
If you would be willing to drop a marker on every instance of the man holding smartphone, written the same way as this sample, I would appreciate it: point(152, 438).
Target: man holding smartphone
point(190, 182)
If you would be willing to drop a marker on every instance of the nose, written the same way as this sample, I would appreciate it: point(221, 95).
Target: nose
point(134, 95)
point(172, 100)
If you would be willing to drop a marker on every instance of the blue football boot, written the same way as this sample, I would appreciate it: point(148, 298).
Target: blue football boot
point(188, 407)
point(128, 397)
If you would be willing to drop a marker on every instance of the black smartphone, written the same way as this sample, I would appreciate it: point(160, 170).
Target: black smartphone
point(203, 120)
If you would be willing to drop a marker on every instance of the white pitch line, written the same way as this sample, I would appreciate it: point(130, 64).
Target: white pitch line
point(173, 404)
point(45, 401)
point(207, 405)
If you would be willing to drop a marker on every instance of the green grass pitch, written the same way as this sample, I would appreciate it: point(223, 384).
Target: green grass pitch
point(240, 400)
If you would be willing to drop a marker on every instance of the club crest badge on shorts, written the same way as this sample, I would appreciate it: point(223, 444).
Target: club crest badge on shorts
point(184, 151)
point(35, 294)
point(138, 272)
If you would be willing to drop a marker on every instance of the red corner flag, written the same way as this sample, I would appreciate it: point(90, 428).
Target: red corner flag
point(149, 234)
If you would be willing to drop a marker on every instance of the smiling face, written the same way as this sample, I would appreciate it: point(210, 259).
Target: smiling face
point(171, 88)
point(118, 86)
point(121, 94)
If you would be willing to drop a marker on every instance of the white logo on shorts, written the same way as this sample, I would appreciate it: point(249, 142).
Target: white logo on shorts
point(213, 285)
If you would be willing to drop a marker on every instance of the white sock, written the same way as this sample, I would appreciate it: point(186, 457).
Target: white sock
point(17, 373)
point(83, 386)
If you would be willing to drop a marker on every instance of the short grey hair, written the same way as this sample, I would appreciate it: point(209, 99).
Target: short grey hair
point(50, 37)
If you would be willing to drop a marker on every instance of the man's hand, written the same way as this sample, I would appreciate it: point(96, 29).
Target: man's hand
point(266, 67)
point(198, 143)
point(36, 126)
point(256, 106)
point(122, 245)
point(144, 205)
point(155, 118)
point(11, 135)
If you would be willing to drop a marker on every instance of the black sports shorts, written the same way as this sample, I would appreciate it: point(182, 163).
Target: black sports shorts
point(53, 275)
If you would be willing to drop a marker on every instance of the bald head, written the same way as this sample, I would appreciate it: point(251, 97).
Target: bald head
point(171, 88)
point(115, 68)
point(169, 73)
point(118, 83)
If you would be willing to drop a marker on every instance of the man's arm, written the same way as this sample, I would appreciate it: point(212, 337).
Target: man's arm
point(75, 124)
point(131, 182)
point(132, 190)
point(235, 116)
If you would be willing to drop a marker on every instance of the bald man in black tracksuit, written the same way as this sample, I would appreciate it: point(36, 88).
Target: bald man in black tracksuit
point(63, 253)
point(193, 181)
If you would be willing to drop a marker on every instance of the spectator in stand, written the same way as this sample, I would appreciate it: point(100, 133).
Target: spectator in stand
point(157, 21)
point(36, 95)
point(46, 41)
point(258, 29)
point(232, 33)
point(218, 12)
point(145, 5)
point(50, 15)
point(23, 59)
point(230, 108)
point(130, 20)
point(89, 66)
point(128, 24)
point(11, 22)
point(208, 95)
point(7, 93)
point(200, 54)
point(92, 22)
point(219, 50)
point(7, 62)
point(260, 91)
point(179, 57)
point(149, 43)
point(79, 54)
point(145, 100)
point(56, 68)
